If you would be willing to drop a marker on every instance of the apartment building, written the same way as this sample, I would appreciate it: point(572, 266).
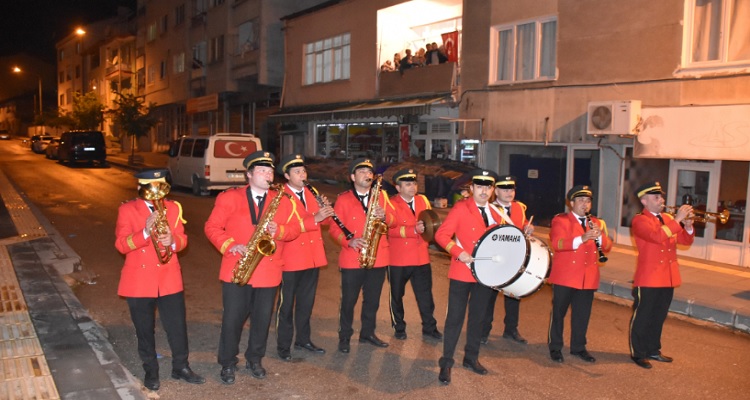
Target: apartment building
point(556, 92)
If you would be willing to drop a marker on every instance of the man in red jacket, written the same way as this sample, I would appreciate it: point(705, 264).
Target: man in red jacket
point(458, 235)
point(413, 262)
point(148, 283)
point(514, 213)
point(230, 227)
point(303, 258)
point(351, 207)
point(575, 237)
point(657, 235)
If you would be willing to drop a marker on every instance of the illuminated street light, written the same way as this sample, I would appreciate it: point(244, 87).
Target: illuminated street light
point(80, 32)
point(18, 70)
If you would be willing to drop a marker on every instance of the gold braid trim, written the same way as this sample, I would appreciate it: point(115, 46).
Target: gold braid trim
point(131, 244)
point(226, 245)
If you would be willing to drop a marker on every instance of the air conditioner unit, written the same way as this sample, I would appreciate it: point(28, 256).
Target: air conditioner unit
point(619, 117)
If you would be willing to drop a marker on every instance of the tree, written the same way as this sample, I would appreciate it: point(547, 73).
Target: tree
point(133, 116)
point(88, 112)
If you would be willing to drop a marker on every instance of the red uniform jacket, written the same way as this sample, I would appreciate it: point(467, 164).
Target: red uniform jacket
point(579, 268)
point(307, 250)
point(406, 243)
point(517, 213)
point(352, 214)
point(143, 275)
point(230, 224)
point(466, 223)
point(657, 250)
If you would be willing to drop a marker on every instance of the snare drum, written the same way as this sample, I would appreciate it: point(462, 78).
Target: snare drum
point(536, 271)
point(500, 256)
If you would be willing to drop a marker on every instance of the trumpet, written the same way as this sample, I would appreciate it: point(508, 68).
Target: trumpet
point(702, 216)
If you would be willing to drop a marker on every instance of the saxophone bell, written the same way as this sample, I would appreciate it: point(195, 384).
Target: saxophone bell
point(155, 192)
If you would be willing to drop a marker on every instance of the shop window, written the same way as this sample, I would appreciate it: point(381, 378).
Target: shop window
point(637, 172)
point(733, 197)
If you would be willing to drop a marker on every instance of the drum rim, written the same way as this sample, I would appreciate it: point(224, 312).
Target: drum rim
point(546, 276)
point(520, 270)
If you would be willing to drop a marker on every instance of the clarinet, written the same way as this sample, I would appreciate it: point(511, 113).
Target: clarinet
point(322, 204)
point(602, 257)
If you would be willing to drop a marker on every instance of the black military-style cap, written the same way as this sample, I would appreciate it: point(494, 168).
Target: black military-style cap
point(151, 175)
point(360, 163)
point(483, 177)
point(290, 161)
point(404, 175)
point(579, 191)
point(259, 158)
point(649, 188)
point(506, 182)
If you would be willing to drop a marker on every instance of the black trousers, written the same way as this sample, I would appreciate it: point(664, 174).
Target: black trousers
point(172, 315)
point(512, 308)
point(579, 301)
point(650, 309)
point(460, 295)
point(421, 283)
point(296, 299)
point(239, 303)
point(370, 283)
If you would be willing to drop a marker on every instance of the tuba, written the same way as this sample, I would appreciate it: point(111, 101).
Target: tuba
point(261, 244)
point(155, 192)
point(374, 229)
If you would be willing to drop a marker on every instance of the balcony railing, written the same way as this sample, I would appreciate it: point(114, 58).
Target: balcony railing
point(430, 79)
point(117, 71)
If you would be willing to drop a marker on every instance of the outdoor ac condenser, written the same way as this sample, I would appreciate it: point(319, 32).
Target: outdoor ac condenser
point(617, 117)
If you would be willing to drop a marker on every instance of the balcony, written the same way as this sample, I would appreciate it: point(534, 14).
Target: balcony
point(439, 78)
point(119, 71)
point(245, 64)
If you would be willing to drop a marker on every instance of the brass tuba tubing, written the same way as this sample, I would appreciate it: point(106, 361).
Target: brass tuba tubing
point(702, 216)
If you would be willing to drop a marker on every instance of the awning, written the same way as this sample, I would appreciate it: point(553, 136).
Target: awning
point(348, 111)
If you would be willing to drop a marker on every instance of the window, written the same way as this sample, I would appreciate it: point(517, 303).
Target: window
point(61, 54)
point(524, 51)
point(78, 71)
point(163, 24)
point(179, 14)
point(717, 33)
point(162, 69)
point(151, 32)
point(178, 64)
point(247, 38)
point(199, 55)
point(151, 74)
point(328, 59)
point(216, 49)
point(199, 6)
point(62, 99)
point(62, 77)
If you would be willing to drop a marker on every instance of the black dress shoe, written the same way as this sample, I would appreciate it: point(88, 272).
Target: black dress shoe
point(515, 336)
point(661, 358)
point(285, 354)
point(151, 381)
point(400, 335)
point(484, 340)
point(475, 366)
point(256, 369)
point(433, 335)
point(556, 355)
point(445, 376)
point(642, 362)
point(227, 375)
point(374, 340)
point(309, 346)
point(344, 346)
point(584, 355)
point(187, 375)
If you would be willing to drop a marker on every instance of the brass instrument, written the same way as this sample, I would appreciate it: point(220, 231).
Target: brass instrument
point(155, 192)
point(261, 244)
point(702, 216)
point(374, 229)
point(431, 221)
point(602, 258)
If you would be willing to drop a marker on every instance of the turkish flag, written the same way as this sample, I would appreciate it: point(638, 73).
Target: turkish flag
point(450, 44)
point(233, 149)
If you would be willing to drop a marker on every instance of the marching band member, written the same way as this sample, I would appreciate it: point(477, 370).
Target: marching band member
point(147, 283)
point(657, 235)
point(514, 213)
point(467, 221)
point(351, 208)
point(413, 262)
point(229, 228)
point(303, 258)
point(575, 272)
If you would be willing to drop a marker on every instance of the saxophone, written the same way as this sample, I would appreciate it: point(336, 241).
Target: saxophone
point(155, 192)
point(261, 244)
point(374, 229)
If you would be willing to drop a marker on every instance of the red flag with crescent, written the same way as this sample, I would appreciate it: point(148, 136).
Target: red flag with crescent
point(233, 149)
point(450, 44)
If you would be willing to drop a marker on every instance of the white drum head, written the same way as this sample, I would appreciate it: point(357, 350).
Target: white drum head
point(500, 256)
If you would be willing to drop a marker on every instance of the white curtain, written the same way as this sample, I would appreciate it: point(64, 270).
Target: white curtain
point(739, 31)
point(504, 55)
point(525, 50)
point(549, 50)
point(706, 30)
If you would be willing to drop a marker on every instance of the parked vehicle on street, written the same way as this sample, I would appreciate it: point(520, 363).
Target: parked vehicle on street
point(4, 134)
point(39, 143)
point(210, 163)
point(51, 151)
point(82, 146)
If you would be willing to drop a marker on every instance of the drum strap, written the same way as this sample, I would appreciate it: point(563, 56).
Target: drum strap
point(505, 216)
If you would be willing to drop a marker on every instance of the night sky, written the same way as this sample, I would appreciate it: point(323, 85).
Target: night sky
point(34, 26)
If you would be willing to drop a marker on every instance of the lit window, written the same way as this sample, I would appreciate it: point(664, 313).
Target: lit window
point(179, 63)
point(328, 59)
point(524, 51)
point(717, 33)
point(151, 32)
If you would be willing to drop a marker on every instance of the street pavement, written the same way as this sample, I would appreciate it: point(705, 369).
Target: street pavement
point(50, 347)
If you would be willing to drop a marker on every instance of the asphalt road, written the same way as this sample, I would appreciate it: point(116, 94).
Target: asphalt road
point(81, 202)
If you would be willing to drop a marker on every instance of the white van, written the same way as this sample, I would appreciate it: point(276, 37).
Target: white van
point(210, 163)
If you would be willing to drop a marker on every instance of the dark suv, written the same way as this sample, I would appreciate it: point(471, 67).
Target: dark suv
point(82, 146)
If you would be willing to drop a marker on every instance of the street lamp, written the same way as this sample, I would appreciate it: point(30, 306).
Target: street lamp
point(18, 70)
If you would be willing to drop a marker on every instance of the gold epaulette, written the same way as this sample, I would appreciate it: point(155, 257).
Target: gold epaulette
point(523, 206)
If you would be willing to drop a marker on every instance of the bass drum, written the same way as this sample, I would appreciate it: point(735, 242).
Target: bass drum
point(500, 257)
point(536, 271)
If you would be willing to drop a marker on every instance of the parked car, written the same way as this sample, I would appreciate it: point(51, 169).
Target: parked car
point(210, 163)
point(4, 134)
point(39, 143)
point(51, 151)
point(82, 146)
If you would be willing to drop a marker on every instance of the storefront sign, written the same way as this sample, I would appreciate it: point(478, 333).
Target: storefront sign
point(203, 104)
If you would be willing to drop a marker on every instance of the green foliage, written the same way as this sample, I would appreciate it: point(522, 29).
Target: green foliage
point(88, 112)
point(132, 115)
